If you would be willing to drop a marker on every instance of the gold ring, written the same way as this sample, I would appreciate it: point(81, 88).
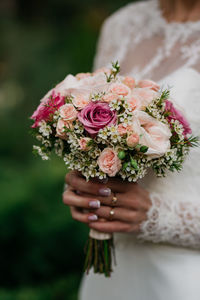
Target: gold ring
point(112, 213)
point(114, 200)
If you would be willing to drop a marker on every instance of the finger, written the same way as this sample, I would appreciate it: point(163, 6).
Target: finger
point(120, 214)
point(126, 200)
point(121, 202)
point(78, 182)
point(111, 227)
point(71, 199)
point(81, 216)
point(119, 186)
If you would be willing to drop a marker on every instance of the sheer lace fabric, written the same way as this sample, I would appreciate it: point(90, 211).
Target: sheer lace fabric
point(148, 47)
point(145, 44)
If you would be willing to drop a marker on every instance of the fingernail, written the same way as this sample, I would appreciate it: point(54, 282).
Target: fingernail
point(105, 192)
point(93, 218)
point(95, 203)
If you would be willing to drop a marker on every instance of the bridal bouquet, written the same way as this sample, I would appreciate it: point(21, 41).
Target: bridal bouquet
point(105, 125)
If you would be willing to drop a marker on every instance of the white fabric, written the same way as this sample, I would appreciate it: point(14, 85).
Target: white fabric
point(163, 262)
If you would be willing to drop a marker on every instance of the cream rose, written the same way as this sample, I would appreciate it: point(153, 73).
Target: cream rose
point(80, 76)
point(153, 134)
point(144, 96)
point(109, 162)
point(68, 112)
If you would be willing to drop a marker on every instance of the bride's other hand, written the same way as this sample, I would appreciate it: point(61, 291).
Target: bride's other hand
point(91, 202)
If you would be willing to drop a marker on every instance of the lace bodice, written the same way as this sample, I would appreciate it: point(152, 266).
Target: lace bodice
point(148, 47)
point(145, 44)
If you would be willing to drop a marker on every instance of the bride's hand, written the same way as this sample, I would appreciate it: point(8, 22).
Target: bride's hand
point(91, 202)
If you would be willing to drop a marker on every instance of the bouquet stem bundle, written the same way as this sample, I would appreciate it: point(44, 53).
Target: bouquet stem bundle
point(99, 255)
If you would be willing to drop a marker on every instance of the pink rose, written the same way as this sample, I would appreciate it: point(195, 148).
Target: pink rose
point(129, 81)
point(149, 84)
point(60, 128)
point(83, 142)
point(175, 114)
point(109, 162)
point(97, 115)
point(68, 112)
point(47, 108)
point(80, 76)
point(153, 134)
point(144, 96)
point(132, 139)
point(119, 89)
point(124, 128)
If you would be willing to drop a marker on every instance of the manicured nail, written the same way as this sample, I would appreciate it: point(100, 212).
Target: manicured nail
point(95, 204)
point(105, 192)
point(93, 218)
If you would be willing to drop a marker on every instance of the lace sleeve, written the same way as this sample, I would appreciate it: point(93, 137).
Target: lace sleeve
point(172, 222)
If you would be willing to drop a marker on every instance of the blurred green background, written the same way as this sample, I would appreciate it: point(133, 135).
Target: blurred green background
point(41, 42)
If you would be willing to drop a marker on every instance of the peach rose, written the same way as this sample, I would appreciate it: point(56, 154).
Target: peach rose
point(109, 97)
point(153, 134)
point(129, 81)
point(80, 101)
point(80, 76)
point(123, 129)
point(83, 142)
point(144, 96)
point(132, 139)
point(119, 89)
point(68, 112)
point(60, 128)
point(149, 84)
point(133, 102)
point(109, 162)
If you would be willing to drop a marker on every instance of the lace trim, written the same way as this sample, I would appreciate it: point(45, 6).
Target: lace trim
point(173, 222)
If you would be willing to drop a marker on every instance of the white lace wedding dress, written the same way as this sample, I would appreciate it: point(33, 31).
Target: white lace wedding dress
point(163, 262)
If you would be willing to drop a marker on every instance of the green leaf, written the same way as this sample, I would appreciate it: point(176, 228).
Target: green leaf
point(144, 149)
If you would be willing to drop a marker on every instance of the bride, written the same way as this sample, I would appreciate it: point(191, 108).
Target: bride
point(156, 221)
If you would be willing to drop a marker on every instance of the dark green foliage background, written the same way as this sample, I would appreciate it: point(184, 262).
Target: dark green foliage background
point(40, 245)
